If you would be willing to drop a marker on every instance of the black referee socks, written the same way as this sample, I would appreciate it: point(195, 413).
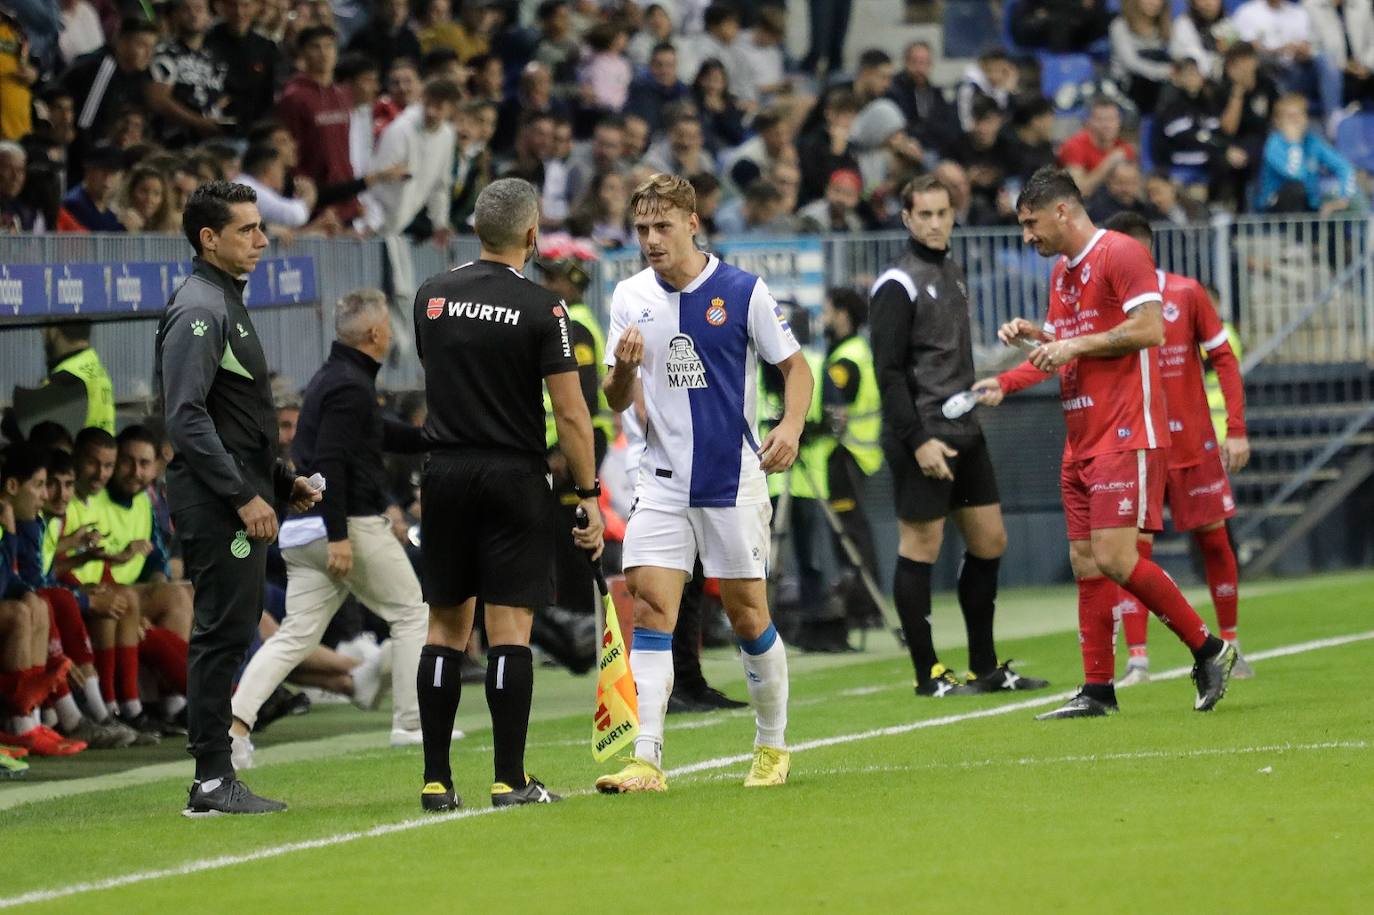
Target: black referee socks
point(510, 687)
point(911, 593)
point(978, 600)
point(440, 686)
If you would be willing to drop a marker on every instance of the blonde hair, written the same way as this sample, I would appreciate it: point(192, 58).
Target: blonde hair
point(663, 192)
point(1142, 24)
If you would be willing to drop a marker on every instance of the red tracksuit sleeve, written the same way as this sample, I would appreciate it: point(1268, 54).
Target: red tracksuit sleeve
point(1232, 388)
point(1023, 376)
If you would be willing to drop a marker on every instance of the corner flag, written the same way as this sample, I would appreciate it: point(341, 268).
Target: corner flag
point(615, 723)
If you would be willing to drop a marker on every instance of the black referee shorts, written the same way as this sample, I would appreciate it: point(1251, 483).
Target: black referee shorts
point(485, 531)
point(921, 498)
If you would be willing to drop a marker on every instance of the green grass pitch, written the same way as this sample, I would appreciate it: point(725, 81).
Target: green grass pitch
point(894, 804)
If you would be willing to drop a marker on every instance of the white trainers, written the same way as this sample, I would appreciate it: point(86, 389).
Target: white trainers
point(402, 737)
point(368, 681)
point(1135, 674)
point(241, 752)
point(360, 647)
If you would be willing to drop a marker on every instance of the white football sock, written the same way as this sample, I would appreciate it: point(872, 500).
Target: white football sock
point(68, 715)
point(173, 704)
point(22, 724)
point(131, 708)
point(48, 718)
point(765, 671)
point(651, 662)
point(94, 701)
point(112, 709)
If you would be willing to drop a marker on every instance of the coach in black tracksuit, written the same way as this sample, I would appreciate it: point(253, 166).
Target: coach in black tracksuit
point(224, 479)
point(923, 354)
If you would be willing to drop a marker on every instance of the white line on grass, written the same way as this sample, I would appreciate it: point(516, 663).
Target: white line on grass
point(721, 762)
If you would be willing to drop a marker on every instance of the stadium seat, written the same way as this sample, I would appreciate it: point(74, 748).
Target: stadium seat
point(969, 26)
point(1063, 78)
point(1009, 9)
point(1147, 127)
point(1355, 140)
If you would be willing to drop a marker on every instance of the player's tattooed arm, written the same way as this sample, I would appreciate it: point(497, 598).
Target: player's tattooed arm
point(1142, 329)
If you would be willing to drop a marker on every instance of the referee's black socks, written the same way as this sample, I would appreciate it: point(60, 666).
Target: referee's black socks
point(978, 601)
point(439, 685)
point(911, 593)
point(510, 687)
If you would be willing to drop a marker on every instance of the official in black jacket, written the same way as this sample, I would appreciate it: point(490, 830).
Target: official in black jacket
point(224, 480)
point(345, 545)
point(923, 354)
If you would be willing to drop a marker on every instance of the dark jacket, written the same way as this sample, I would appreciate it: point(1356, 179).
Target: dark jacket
point(922, 347)
point(212, 375)
point(929, 117)
point(342, 433)
point(1187, 129)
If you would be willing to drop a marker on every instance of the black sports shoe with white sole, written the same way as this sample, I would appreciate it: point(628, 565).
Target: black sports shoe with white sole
point(1212, 676)
point(1004, 679)
point(1080, 706)
point(943, 683)
point(436, 797)
point(534, 792)
point(228, 795)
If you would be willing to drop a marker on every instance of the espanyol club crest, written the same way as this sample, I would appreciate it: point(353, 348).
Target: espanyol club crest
point(434, 308)
point(715, 315)
point(1170, 312)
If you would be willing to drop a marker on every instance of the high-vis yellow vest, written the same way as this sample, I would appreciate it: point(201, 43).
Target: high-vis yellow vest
point(815, 450)
point(100, 406)
point(81, 512)
point(1216, 401)
point(119, 526)
point(593, 355)
point(862, 434)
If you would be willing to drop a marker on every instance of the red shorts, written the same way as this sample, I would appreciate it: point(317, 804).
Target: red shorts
point(1199, 494)
point(1122, 489)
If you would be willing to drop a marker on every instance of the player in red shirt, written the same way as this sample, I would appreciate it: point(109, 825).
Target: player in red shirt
point(1197, 488)
point(1100, 336)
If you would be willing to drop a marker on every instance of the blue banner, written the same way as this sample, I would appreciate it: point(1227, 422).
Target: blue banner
point(86, 289)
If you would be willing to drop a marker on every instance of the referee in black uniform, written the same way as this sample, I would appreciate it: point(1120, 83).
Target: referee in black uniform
point(488, 338)
point(224, 481)
point(923, 354)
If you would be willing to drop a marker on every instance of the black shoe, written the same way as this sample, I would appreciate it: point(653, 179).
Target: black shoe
point(226, 795)
point(681, 702)
point(146, 725)
point(1212, 676)
point(169, 727)
point(1005, 679)
point(435, 797)
point(828, 636)
point(1080, 706)
point(534, 792)
point(280, 704)
point(943, 683)
point(713, 698)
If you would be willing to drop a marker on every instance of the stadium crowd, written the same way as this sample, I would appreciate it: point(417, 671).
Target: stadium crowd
point(381, 117)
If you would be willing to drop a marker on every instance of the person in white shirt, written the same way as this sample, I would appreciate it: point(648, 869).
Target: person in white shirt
point(82, 32)
point(264, 171)
point(422, 136)
point(1343, 33)
point(1282, 31)
point(360, 75)
point(690, 330)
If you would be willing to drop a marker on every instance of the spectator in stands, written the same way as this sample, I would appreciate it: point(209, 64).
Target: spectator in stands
point(488, 79)
point(605, 73)
point(785, 175)
point(1173, 206)
point(17, 77)
point(534, 96)
point(655, 29)
point(265, 171)
point(1343, 35)
point(472, 160)
point(143, 204)
point(1061, 26)
point(882, 145)
point(1282, 32)
point(15, 215)
point(187, 93)
point(708, 192)
point(1094, 151)
point(316, 111)
point(1123, 190)
point(682, 151)
point(129, 130)
point(1187, 125)
point(604, 153)
point(651, 94)
point(722, 118)
point(772, 142)
point(828, 28)
point(402, 90)
point(1249, 98)
point(442, 62)
point(763, 60)
point(49, 145)
point(1030, 142)
point(838, 210)
point(423, 138)
point(753, 213)
point(554, 200)
point(1140, 50)
point(107, 82)
point(986, 154)
point(1203, 33)
point(88, 206)
point(874, 76)
point(637, 134)
point(557, 50)
point(357, 74)
point(1295, 163)
point(466, 37)
point(388, 36)
point(533, 145)
point(929, 117)
point(826, 149)
point(992, 76)
point(253, 64)
point(602, 213)
point(82, 32)
point(719, 42)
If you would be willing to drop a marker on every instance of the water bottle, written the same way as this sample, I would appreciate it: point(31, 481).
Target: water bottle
point(959, 404)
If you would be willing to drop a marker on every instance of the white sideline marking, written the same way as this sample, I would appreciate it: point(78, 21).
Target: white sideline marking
point(721, 762)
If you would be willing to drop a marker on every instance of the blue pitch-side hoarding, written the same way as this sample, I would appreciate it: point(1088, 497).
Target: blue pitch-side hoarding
point(62, 290)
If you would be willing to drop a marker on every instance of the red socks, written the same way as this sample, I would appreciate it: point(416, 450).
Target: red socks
point(1220, 562)
point(126, 673)
point(1157, 591)
point(1097, 628)
point(165, 652)
point(105, 670)
point(66, 614)
point(1135, 619)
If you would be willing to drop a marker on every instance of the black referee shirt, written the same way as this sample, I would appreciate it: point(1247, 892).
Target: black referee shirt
point(487, 337)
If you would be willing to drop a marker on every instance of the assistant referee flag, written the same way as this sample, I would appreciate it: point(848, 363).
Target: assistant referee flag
point(615, 723)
